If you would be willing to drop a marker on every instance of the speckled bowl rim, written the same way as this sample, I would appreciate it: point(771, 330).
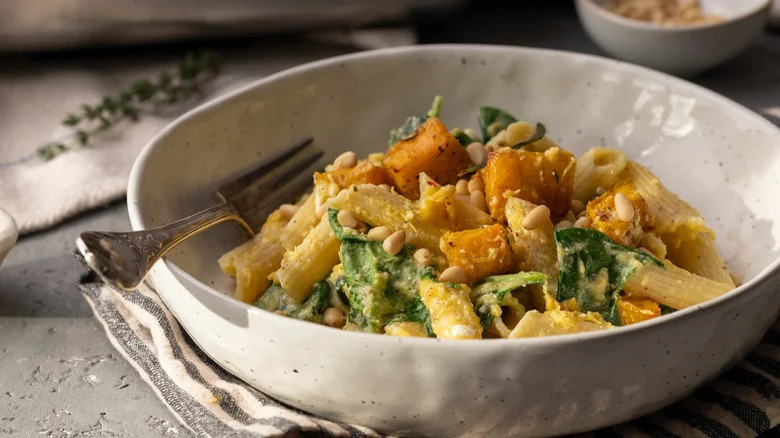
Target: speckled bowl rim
point(628, 22)
point(137, 221)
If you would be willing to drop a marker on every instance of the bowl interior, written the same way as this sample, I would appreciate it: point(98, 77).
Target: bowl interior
point(715, 154)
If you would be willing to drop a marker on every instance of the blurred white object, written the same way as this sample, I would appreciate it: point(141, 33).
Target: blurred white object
point(8, 233)
point(681, 50)
point(55, 24)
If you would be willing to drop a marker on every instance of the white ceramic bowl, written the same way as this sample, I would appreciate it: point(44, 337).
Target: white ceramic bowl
point(682, 50)
point(8, 234)
point(713, 152)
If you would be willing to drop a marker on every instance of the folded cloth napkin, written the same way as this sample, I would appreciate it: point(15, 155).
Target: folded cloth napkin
point(34, 97)
point(742, 403)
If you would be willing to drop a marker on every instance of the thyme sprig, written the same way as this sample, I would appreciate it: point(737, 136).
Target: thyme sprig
point(167, 88)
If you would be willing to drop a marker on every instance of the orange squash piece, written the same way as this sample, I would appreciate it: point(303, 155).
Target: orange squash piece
point(603, 217)
point(364, 173)
point(635, 309)
point(431, 149)
point(539, 177)
point(479, 252)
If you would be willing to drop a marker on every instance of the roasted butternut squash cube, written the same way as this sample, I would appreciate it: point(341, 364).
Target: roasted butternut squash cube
point(635, 309)
point(603, 215)
point(431, 149)
point(539, 177)
point(365, 172)
point(480, 252)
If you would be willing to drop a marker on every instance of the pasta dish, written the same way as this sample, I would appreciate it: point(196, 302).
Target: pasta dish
point(500, 233)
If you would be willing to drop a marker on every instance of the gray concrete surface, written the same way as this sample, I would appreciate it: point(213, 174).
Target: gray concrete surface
point(59, 375)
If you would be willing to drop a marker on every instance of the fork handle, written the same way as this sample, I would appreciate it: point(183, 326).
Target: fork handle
point(122, 259)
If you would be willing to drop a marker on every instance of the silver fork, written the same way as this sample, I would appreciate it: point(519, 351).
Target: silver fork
point(123, 259)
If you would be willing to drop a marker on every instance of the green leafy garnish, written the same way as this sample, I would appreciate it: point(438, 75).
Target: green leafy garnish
point(166, 89)
point(665, 310)
point(412, 123)
point(381, 288)
point(275, 299)
point(492, 121)
point(473, 168)
point(463, 138)
point(592, 268)
point(489, 293)
point(538, 134)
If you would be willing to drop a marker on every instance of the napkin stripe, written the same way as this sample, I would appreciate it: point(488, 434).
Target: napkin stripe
point(711, 428)
point(225, 400)
point(258, 403)
point(653, 430)
point(761, 384)
point(765, 364)
point(303, 421)
point(125, 340)
point(747, 413)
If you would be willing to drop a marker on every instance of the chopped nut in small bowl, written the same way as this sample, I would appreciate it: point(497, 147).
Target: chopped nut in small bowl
point(682, 37)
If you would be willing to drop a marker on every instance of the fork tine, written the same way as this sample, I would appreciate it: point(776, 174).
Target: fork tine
point(232, 188)
point(256, 213)
point(289, 177)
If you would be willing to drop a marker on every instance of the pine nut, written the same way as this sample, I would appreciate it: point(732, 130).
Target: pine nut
point(463, 198)
point(476, 183)
point(563, 224)
point(394, 242)
point(379, 234)
point(462, 187)
point(423, 257)
point(347, 219)
point(477, 152)
point(470, 132)
point(386, 187)
point(536, 217)
point(582, 222)
point(570, 216)
point(600, 190)
point(478, 199)
point(279, 312)
point(577, 206)
point(623, 208)
point(453, 274)
point(288, 210)
point(346, 160)
point(334, 317)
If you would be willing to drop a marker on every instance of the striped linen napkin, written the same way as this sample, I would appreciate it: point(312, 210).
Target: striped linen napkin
point(742, 403)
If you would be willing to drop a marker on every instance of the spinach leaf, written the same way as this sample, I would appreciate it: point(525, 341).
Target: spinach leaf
point(592, 268)
point(275, 299)
point(412, 123)
point(462, 137)
point(490, 291)
point(380, 287)
point(492, 121)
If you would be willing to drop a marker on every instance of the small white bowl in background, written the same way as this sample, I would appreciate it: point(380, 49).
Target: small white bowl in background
point(678, 49)
point(8, 233)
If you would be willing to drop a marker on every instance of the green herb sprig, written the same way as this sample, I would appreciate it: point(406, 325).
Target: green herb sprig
point(167, 88)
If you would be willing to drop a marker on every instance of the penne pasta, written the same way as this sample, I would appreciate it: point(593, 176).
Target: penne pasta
point(452, 314)
point(309, 262)
point(597, 168)
point(534, 249)
point(673, 286)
